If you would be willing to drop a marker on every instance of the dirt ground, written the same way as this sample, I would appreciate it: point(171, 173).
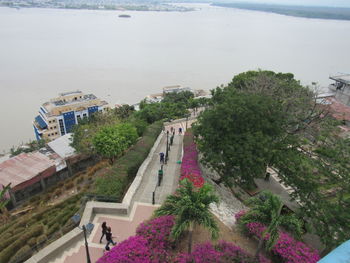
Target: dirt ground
point(201, 235)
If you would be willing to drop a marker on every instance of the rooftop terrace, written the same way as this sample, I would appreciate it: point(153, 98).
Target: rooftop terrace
point(344, 78)
point(84, 98)
point(70, 93)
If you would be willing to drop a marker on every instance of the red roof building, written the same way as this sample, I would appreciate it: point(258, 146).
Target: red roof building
point(338, 110)
point(26, 169)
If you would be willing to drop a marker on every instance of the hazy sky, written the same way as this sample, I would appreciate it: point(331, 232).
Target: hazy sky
point(340, 3)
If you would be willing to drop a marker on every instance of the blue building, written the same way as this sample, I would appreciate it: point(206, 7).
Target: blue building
point(58, 116)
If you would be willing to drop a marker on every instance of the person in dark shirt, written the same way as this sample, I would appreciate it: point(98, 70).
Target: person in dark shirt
point(104, 230)
point(161, 156)
point(109, 238)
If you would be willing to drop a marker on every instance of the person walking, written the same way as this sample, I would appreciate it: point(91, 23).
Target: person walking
point(109, 238)
point(161, 157)
point(180, 131)
point(104, 230)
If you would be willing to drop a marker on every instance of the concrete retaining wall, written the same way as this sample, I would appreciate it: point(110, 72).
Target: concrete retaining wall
point(138, 179)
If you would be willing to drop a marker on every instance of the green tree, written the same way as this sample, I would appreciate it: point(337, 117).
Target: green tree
point(125, 111)
point(240, 135)
point(321, 180)
point(87, 128)
point(190, 207)
point(111, 141)
point(298, 103)
point(305, 149)
point(183, 97)
point(174, 105)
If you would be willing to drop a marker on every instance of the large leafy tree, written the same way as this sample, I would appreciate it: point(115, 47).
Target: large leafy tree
point(111, 141)
point(254, 120)
point(321, 182)
point(240, 134)
point(298, 103)
point(174, 105)
point(86, 129)
point(307, 152)
point(190, 206)
point(305, 148)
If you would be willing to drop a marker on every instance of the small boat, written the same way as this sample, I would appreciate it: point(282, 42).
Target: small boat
point(124, 16)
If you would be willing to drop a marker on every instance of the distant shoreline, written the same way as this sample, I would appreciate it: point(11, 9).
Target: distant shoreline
point(335, 13)
point(113, 7)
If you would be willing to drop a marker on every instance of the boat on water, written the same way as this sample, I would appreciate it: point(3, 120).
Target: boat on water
point(124, 16)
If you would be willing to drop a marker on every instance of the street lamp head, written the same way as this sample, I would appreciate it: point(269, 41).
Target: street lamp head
point(76, 218)
point(89, 227)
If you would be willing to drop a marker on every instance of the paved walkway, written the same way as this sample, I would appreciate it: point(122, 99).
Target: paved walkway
point(124, 226)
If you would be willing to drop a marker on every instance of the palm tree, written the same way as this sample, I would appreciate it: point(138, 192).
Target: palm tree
point(190, 206)
point(267, 209)
point(3, 202)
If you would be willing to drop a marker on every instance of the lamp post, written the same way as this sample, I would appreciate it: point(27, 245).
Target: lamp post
point(167, 147)
point(186, 121)
point(86, 229)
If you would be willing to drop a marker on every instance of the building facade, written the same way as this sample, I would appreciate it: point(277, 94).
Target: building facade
point(341, 87)
point(58, 116)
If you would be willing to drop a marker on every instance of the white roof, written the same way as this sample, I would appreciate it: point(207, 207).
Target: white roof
point(62, 147)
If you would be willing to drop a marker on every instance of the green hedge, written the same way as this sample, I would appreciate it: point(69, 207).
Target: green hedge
point(55, 227)
point(114, 183)
point(41, 239)
point(5, 227)
point(8, 252)
point(8, 241)
point(22, 254)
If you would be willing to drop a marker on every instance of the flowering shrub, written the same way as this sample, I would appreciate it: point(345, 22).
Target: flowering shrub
point(157, 231)
point(256, 229)
point(286, 247)
point(189, 166)
point(196, 179)
point(223, 252)
point(292, 251)
point(133, 250)
point(150, 244)
point(202, 253)
point(240, 214)
point(232, 253)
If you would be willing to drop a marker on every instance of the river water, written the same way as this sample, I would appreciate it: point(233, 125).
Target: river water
point(47, 51)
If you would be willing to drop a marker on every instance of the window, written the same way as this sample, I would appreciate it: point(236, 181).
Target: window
point(84, 115)
point(52, 134)
point(61, 127)
point(55, 127)
point(49, 121)
point(48, 135)
point(56, 133)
